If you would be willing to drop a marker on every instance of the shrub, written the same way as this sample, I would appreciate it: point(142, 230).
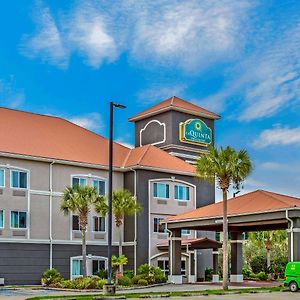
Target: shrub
point(101, 283)
point(152, 274)
point(258, 264)
point(136, 278)
point(51, 276)
point(208, 274)
point(143, 282)
point(262, 276)
point(102, 273)
point(81, 283)
point(246, 272)
point(145, 269)
point(124, 281)
point(128, 273)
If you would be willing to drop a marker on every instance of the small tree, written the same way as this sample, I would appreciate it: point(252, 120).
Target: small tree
point(228, 167)
point(119, 262)
point(80, 200)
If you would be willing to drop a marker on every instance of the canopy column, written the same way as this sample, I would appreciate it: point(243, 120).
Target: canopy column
point(236, 257)
point(294, 239)
point(215, 254)
point(175, 257)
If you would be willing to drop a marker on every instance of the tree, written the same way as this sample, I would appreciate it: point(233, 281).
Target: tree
point(268, 239)
point(119, 262)
point(79, 200)
point(228, 167)
point(123, 204)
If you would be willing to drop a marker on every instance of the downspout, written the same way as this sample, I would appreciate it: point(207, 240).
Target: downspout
point(50, 212)
point(135, 225)
point(171, 252)
point(292, 233)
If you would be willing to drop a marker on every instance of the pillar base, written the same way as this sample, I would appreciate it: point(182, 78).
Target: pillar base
point(109, 289)
point(236, 278)
point(192, 279)
point(215, 278)
point(177, 279)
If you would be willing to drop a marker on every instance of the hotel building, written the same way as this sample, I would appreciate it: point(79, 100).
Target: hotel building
point(40, 155)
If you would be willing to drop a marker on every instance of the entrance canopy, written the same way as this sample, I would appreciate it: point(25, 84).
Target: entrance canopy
point(255, 211)
point(193, 244)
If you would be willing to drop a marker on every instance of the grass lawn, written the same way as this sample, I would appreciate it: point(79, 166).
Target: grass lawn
point(167, 294)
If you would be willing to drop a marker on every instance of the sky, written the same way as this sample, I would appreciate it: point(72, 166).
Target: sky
point(240, 59)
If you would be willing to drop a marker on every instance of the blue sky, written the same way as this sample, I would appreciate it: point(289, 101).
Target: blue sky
point(239, 58)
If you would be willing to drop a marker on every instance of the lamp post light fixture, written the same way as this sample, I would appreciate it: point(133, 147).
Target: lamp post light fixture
point(110, 288)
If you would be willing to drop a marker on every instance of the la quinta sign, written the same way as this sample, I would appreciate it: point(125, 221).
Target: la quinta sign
point(195, 131)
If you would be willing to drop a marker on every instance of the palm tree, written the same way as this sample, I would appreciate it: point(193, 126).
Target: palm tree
point(268, 239)
point(228, 167)
point(80, 200)
point(123, 204)
point(119, 262)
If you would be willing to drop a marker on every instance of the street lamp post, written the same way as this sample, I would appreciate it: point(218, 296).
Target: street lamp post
point(110, 288)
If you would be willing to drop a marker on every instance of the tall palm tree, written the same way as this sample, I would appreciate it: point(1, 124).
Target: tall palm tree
point(80, 200)
point(228, 167)
point(123, 204)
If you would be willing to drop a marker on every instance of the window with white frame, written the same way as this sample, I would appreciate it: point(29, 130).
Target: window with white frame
point(185, 231)
point(78, 181)
point(158, 226)
point(98, 264)
point(18, 219)
point(19, 179)
point(76, 267)
point(75, 222)
point(100, 186)
point(183, 267)
point(99, 224)
point(182, 192)
point(2, 178)
point(163, 264)
point(1, 218)
point(161, 190)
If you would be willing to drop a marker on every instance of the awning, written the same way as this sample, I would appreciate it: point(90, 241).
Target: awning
point(193, 244)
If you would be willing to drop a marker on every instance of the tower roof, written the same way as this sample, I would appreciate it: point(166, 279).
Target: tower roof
point(175, 103)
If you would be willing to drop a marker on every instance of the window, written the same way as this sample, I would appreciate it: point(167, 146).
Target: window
point(183, 267)
point(19, 179)
point(185, 231)
point(2, 180)
point(100, 186)
point(99, 224)
point(182, 192)
point(76, 267)
point(75, 222)
point(98, 264)
point(18, 219)
point(161, 190)
point(1, 219)
point(158, 226)
point(164, 266)
point(78, 181)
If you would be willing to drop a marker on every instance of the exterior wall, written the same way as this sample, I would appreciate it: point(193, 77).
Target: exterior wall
point(23, 263)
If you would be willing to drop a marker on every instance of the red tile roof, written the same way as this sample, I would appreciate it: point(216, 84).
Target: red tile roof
point(55, 138)
point(253, 202)
point(175, 103)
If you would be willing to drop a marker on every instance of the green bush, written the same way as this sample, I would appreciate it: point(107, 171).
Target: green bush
point(258, 264)
point(124, 281)
point(142, 282)
point(262, 276)
point(246, 272)
point(81, 283)
point(136, 278)
point(101, 283)
point(208, 274)
point(51, 276)
point(151, 274)
point(128, 273)
point(102, 273)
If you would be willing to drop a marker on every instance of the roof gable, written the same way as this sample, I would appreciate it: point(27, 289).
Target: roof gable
point(175, 103)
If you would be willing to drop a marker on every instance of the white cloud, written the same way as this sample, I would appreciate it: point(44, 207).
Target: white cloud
point(10, 95)
point(47, 42)
point(278, 136)
point(91, 121)
point(124, 143)
point(189, 34)
point(265, 83)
